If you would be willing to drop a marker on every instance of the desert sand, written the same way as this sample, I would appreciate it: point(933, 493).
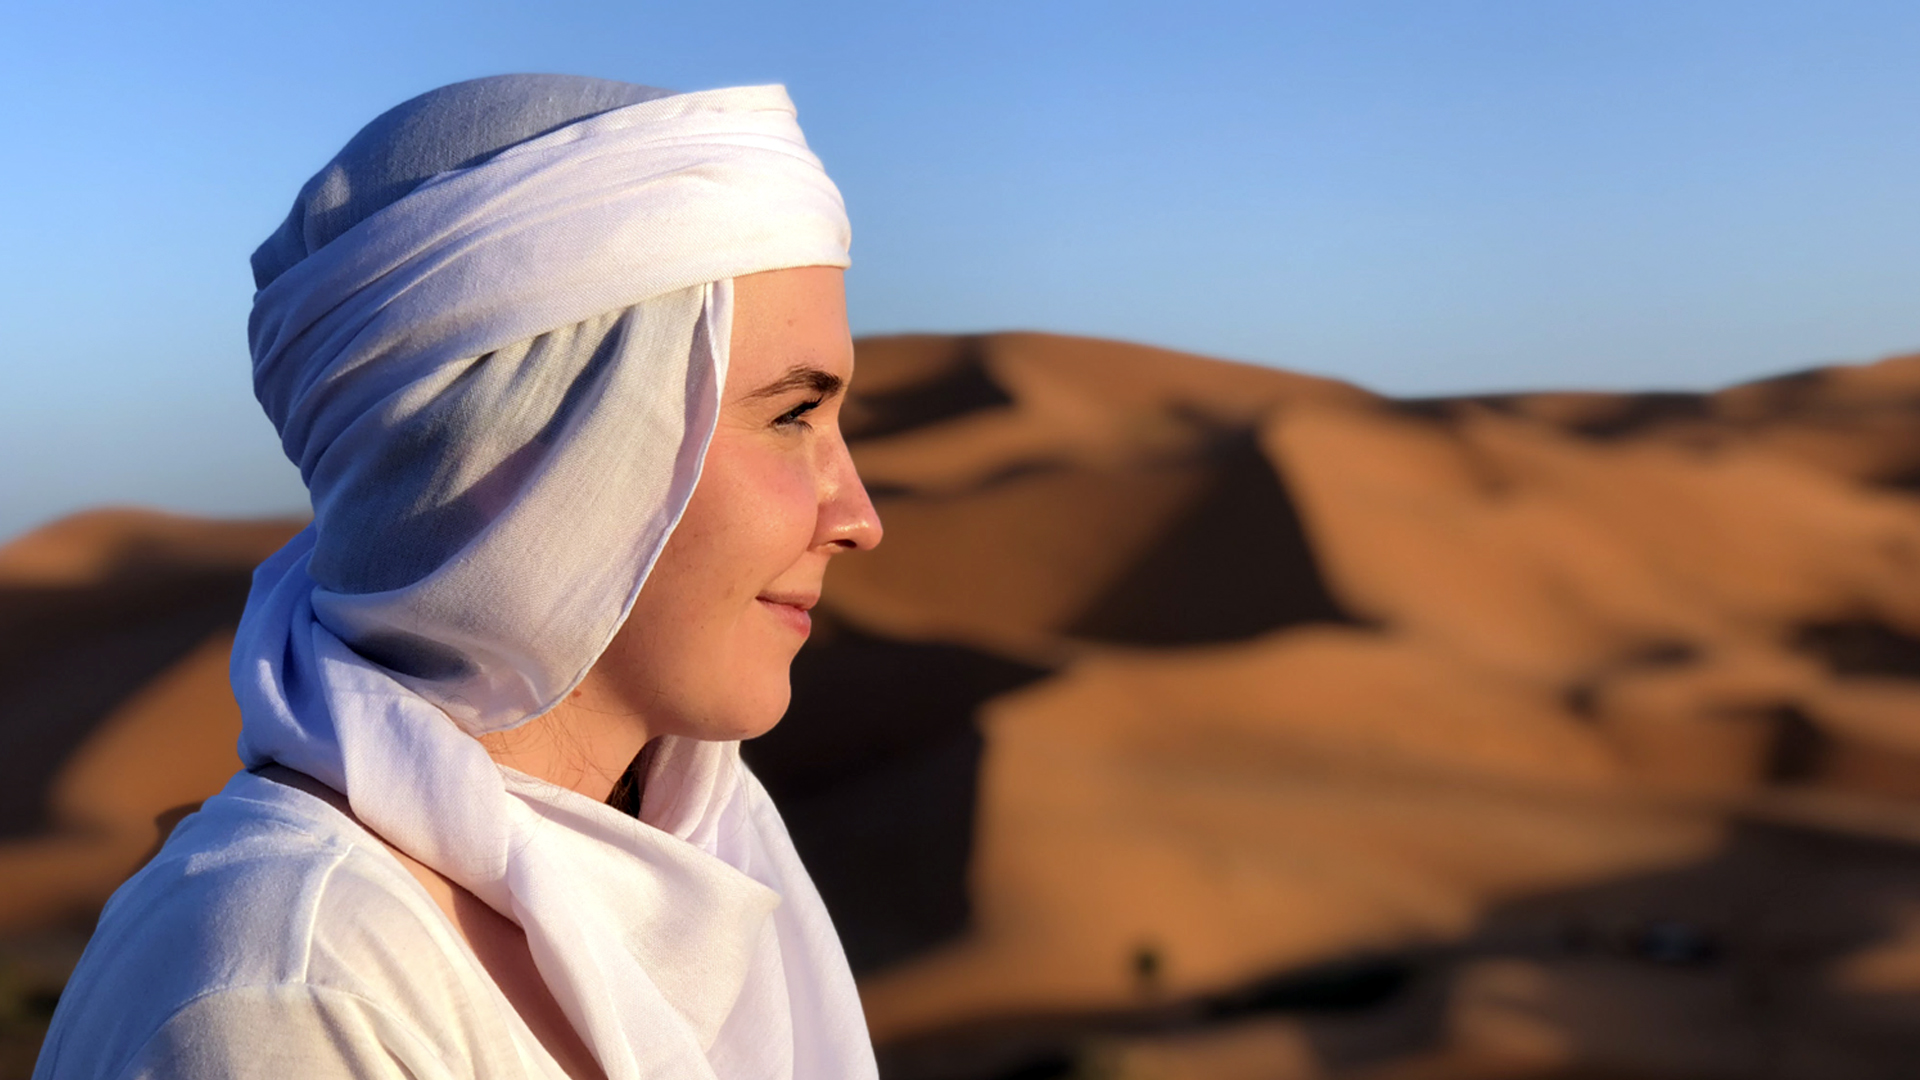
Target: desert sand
point(1204, 720)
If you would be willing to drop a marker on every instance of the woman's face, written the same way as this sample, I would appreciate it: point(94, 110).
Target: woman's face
point(706, 651)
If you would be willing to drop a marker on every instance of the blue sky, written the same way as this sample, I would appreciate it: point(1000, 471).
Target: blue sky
point(1423, 197)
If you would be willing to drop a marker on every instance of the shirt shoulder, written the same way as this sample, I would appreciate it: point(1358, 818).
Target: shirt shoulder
point(270, 909)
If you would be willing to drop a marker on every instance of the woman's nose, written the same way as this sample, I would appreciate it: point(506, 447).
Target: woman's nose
point(848, 521)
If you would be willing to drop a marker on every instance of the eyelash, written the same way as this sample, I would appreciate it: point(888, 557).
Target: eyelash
point(792, 416)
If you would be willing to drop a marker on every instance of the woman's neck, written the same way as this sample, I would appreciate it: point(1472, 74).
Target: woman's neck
point(579, 744)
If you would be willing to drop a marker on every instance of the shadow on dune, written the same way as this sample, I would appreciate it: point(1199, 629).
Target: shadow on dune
point(1245, 529)
point(1861, 647)
point(875, 769)
point(957, 385)
point(69, 655)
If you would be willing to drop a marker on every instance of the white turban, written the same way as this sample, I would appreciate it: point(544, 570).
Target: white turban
point(499, 389)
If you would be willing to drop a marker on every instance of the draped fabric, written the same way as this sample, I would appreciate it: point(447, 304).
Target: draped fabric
point(499, 386)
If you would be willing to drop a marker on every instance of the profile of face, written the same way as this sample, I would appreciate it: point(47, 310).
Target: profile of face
point(706, 650)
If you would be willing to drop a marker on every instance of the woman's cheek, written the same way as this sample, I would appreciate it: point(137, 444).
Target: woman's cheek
point(787, 507)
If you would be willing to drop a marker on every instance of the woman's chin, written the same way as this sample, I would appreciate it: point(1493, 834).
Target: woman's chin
point(744, 717)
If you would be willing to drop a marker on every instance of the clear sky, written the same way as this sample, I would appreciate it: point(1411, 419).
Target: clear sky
point(1422, 196)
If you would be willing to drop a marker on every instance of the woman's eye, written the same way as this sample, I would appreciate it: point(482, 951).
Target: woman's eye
point(793, 415)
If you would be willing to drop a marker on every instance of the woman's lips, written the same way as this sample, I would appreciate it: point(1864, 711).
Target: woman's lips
point(791, 610)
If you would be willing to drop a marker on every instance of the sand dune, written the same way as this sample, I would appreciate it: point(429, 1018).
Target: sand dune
point(114, 630)
point(1204, 720)
point(1332, 676)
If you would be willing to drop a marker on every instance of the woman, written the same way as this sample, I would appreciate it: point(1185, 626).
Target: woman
point(494, 821)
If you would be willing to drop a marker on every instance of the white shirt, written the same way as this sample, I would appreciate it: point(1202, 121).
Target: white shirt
point(273, 938)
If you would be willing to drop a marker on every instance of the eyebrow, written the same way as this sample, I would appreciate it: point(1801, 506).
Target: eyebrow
point(802, 378)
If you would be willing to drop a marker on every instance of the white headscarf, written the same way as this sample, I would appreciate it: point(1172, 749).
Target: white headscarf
point(499, 388)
